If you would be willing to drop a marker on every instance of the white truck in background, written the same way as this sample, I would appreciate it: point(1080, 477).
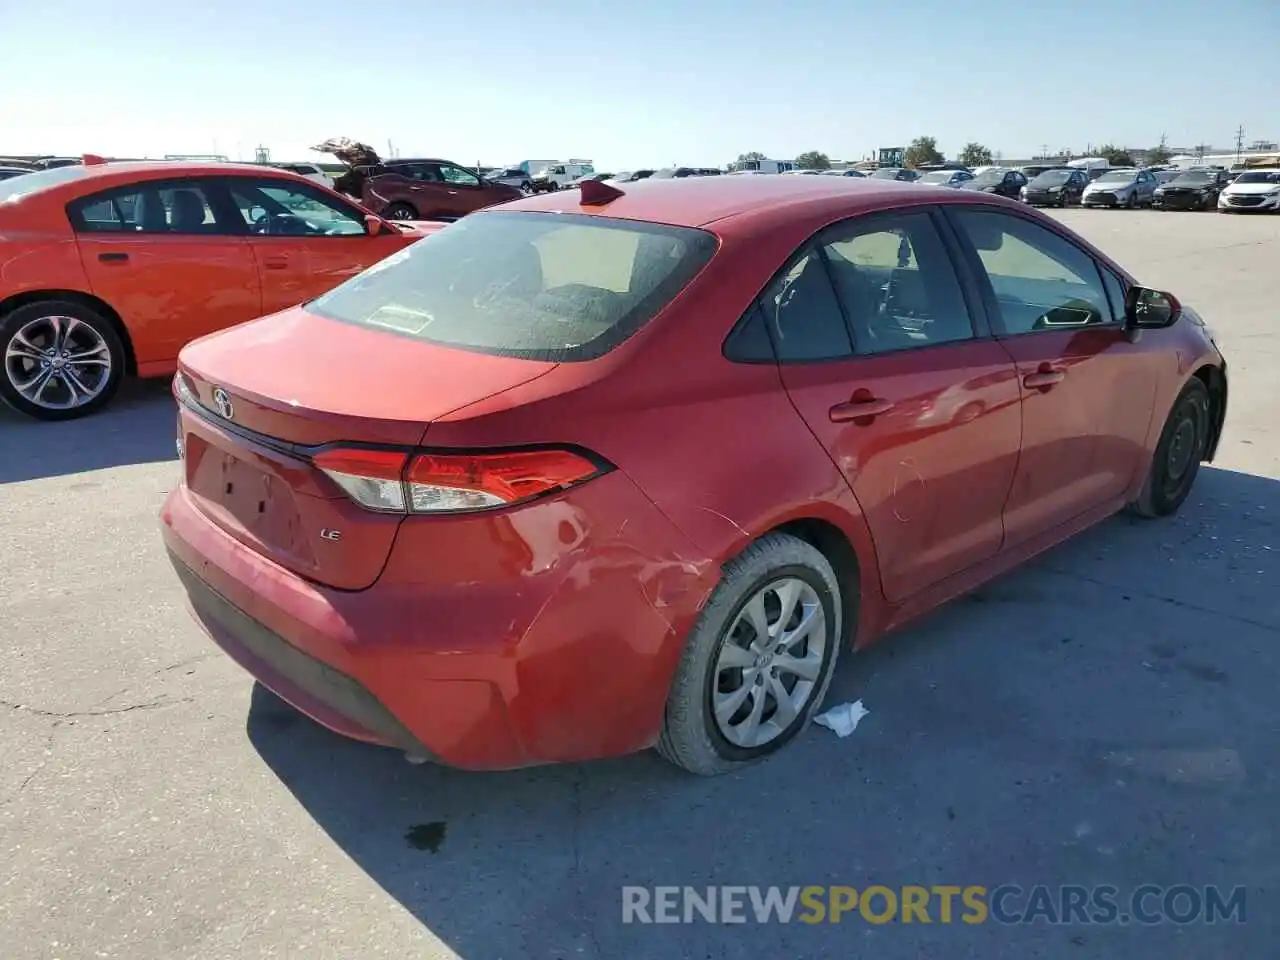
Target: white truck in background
point(764, 165)
point(558, 174)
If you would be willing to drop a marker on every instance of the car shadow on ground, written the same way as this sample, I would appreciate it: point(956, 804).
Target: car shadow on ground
point(137, 427)
point(1098, 717)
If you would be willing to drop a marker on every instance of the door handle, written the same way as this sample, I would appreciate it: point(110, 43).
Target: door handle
point(113, 258)
point(276, 263)
point(453, 193)
point(859, 409)
point(1044, 378)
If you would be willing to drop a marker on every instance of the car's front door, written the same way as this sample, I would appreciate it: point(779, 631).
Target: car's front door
point(878, 352)
point(465, 192)
point(169, 260)
point(1087, 389)
point(305, 240)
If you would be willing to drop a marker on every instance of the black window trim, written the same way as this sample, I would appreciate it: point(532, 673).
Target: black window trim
point(974, 264)
point(970, 291)
point(210, 186)
point(307, 187)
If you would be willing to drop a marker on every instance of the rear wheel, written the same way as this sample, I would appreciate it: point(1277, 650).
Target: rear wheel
point(1176, 462)
point(758, 661)
point(400, 211)
point(60, 360)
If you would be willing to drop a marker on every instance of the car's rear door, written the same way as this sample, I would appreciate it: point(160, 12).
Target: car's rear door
point(304, 240)
point(1087, 389)
point(166, 258)
point(879, 352)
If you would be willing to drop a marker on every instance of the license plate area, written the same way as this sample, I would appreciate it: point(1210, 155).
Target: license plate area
point(245, 495)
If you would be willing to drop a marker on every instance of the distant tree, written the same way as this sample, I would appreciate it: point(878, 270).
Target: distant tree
point(813, 160)
point(975, 155)
point(750, 155)
point(922, 150)
point(1116, 156)
point(1160, 154)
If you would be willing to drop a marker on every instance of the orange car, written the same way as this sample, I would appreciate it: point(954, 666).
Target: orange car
point(107, 270)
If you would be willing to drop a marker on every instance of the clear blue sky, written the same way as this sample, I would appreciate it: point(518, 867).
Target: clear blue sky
point(638, 83)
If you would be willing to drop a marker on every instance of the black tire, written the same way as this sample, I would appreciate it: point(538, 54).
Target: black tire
point(11, 368)
point(1176, 462)
point(400, 211)
point(690, 736)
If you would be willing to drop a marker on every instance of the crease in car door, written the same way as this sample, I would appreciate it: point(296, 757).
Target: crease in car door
point(878, 352)
point(1087, 391)
point(158, 253)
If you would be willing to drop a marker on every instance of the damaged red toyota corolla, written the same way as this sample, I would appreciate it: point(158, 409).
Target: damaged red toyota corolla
point(602, 471)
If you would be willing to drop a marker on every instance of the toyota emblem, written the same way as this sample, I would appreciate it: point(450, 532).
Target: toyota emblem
point(223, 402)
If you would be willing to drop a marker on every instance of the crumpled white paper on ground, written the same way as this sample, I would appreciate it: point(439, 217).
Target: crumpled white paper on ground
point(844, 719)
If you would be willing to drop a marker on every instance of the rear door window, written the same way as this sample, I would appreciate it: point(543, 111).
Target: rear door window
point(530, 285)
point(802, 313)
point(897, 284)
point(184, 207)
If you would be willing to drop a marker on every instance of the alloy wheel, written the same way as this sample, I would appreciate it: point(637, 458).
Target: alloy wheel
point(57, 362)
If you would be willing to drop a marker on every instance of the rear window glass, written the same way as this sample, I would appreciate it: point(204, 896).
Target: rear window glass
point(16, 188)
point(538, 286)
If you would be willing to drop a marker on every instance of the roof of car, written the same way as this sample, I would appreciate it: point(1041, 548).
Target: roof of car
point(699, 201)
point(182, 168)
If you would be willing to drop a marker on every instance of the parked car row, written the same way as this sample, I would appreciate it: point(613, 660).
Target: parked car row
point(256, 239)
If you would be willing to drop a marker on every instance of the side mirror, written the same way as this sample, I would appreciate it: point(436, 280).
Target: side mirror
point(1149, 309)
point(374, 225)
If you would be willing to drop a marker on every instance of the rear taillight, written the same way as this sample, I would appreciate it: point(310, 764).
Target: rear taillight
point(391, 481)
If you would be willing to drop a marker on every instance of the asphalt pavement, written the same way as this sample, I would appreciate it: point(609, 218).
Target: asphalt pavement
point(1106, 715)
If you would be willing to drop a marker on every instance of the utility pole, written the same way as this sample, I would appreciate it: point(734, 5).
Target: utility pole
point(1239, 142)
point(1044, 151)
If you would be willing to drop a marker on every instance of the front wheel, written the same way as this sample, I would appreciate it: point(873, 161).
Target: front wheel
point(758, 660)
point(1176, 461)
point(61, 360)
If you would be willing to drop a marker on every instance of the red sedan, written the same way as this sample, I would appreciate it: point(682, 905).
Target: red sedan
point(610, 470)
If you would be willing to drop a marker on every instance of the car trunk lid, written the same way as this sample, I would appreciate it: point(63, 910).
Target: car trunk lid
point(260, 400)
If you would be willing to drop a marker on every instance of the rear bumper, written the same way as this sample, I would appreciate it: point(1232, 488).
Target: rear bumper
point(570, 657)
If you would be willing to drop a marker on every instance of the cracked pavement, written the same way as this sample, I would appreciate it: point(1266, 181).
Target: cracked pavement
point(1105, 715)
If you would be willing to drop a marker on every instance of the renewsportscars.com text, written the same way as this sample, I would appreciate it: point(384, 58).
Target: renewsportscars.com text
point(973, 904)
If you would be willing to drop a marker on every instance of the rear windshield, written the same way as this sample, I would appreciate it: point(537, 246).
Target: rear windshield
point(539, 286)
point(19, 187)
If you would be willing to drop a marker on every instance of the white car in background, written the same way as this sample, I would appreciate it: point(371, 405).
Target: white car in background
point(308, 170)
point(1252, 190)
point(512, 177)
point(945, 178)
